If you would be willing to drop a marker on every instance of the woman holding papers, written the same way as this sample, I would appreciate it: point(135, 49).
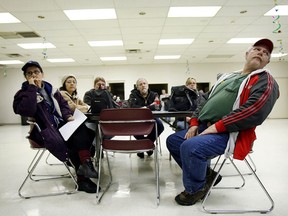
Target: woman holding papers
point(37, 99)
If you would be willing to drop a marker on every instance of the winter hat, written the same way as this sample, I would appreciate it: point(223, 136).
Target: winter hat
point(65, 77)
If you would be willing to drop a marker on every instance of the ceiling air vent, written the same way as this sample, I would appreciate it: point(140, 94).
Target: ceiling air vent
point(14, 55)
point(133, 51)
point(15, 35)
point(28, 34)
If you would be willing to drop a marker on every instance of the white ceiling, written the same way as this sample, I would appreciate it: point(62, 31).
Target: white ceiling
point(140, 32)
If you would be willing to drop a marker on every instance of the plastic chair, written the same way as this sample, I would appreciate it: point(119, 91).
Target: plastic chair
point(124, 123)
point(40, 152)
point(251, 165)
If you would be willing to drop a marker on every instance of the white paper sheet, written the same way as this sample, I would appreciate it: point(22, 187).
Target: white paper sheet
point(68, 129)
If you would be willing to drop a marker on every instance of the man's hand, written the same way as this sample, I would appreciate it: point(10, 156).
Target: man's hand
point(191, 132)
point(210, 130)
point(34, 81)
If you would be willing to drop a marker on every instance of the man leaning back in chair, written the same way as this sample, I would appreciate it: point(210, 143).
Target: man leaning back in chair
point(229, 112)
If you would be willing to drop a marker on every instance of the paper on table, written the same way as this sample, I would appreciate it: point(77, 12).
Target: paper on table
point(68, 129)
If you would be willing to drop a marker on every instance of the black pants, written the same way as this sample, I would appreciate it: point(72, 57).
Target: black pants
point(81, 139)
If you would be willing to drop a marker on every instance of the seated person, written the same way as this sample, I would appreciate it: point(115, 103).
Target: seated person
point(39, 100)
point(183, 123)
point(142, 96)
point(99, 83)
point(164, 96)
point(164, 99)
point(224, 122)
point(69, 92)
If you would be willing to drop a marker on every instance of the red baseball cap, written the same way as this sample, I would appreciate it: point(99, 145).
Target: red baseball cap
point(265, 42)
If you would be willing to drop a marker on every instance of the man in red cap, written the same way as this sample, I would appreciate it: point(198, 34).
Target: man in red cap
point(224, 122)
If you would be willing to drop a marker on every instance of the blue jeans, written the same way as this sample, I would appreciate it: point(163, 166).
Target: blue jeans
point(193, 155)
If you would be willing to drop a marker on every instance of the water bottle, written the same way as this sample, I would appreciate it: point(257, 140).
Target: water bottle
point(157, 103)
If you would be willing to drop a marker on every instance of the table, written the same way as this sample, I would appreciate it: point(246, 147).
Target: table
point(177, 114)
point(156, 114)
point(163, 114)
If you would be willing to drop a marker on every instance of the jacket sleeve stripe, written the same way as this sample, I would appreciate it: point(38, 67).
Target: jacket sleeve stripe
point(253, 108)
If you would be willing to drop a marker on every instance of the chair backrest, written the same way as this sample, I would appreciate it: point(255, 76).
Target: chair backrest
point(126, 121)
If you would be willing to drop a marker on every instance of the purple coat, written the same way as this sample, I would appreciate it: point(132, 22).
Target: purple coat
point(29, 102)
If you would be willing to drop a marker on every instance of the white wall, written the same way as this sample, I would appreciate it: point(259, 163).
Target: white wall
point(174, 74)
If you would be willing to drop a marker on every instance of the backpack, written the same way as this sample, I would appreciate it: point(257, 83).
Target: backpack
point(101, 99)
point(183, 99)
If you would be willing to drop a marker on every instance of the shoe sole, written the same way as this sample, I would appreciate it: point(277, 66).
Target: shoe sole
point(189, 204)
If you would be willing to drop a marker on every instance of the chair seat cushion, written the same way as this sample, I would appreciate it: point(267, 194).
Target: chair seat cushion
point(128, 145)
point(35, 145)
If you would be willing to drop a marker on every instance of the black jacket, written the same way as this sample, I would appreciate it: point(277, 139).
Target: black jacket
point(136, 100)
point(92, 94)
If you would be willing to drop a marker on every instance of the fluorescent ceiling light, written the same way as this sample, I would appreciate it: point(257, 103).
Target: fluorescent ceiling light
point(208, 11)
point(91, 14)
point(56, 60)
point(278, 55)
point(281, 10)
point(36, 45)
point(8, 62)
point(106, 43)
point(243, 40)
point(8, 18)
point(167, 57)
point(120, 58)
point(175, 41)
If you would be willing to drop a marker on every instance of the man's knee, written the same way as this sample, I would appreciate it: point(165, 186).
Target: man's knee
point(170, 141)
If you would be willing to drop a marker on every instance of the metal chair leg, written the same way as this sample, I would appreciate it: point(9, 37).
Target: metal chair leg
point(232, 211)
point(49, 163)
point(245, 173)
point(30, 175)
point(98, 196)
point(37, 176)
point(237, 170)
point(156, 162)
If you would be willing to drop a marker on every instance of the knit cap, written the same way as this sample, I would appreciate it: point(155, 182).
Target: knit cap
point(65, 77)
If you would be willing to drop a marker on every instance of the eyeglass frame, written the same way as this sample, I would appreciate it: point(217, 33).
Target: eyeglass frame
point(30, 73)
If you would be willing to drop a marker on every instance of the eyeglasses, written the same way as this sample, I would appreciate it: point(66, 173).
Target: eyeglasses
point(30, 73)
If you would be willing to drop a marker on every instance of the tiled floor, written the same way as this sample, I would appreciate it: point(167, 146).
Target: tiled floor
point(133, 191)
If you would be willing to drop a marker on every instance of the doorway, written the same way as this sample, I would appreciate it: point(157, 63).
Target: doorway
point(117, 89)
